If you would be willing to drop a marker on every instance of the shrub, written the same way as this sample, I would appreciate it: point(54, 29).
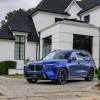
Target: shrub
point(97, 71)
point(5, 65)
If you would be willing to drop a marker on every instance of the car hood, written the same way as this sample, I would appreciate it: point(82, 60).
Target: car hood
point(61, 61)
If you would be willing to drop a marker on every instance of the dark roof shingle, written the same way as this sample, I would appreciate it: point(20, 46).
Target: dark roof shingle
point(59, 6)
point(53, 6)
point(87, 4)
point(5, 33)
point(20, 22)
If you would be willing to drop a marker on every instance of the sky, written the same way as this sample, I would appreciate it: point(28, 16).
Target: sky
point(10, 5)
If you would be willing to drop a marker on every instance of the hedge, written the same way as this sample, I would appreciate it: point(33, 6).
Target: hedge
point(5, 65)
point(97, 71)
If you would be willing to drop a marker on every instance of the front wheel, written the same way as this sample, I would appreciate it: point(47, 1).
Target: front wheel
point(62, 76)
point(90, 75)
point(30, 80)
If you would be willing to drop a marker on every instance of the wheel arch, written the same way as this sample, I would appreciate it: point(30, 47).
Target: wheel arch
point(92, 68)
point(63, 68)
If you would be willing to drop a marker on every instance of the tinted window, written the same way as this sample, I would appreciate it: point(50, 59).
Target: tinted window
point(58, 55)
point(83, 56)
point(20, 47)
point(83, 42)
point(87, 18)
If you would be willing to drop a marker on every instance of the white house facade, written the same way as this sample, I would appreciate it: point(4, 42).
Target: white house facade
point(53, 24)
point(19, 40)
point(63, 37)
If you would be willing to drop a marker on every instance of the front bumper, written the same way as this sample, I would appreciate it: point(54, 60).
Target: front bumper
point(36, 75)
point(43, 74)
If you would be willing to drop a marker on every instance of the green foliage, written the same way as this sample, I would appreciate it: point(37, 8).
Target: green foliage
point(10, 14)
point(30, 10)
point(5, 65)
point(3, 23)
point(16, 76)
point(97, 71)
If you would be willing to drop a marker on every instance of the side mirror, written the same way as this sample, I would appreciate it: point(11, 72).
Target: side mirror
point(72, 59)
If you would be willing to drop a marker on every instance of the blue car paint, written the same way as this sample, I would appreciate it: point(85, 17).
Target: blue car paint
point(76, 69)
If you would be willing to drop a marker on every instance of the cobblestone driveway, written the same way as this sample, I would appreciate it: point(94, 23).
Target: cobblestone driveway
point(19, 89)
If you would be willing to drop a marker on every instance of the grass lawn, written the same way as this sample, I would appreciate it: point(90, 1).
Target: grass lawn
point(16, 76)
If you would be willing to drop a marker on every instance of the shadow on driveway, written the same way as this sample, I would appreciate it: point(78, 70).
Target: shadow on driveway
point(54, 83)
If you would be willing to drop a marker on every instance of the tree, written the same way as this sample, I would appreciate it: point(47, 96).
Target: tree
point(2, 23)
point(30, 10)
point(10, 14)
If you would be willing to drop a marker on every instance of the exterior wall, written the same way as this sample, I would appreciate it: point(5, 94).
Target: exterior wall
point(30, 53)
point(31, 50)
point(73, 10)
point(55, 37)
point(83, 31)
point(45, 19)
point(6, 50)
point(62, 37)
point(94, 16)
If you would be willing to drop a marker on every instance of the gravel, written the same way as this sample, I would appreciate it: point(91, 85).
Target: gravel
point(20, 89)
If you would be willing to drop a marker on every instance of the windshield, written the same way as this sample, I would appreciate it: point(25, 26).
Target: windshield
point(58, 55)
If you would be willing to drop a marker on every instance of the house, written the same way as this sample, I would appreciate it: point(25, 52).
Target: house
point(19, 39)
point(53, 24)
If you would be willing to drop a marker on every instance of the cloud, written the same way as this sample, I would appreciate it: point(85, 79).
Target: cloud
point(10, 5)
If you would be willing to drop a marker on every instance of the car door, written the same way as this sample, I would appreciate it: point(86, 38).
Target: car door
point(85, 63)
point(74, 65)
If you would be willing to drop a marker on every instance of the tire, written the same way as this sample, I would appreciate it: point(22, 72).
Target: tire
point(62, 76)
point(30, 80)
point(90, 75)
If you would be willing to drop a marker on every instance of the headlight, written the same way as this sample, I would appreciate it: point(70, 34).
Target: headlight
point(26, 66)
point(50, 66)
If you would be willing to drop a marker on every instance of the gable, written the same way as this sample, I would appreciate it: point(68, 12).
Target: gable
point(73, 3)
point(73, 9)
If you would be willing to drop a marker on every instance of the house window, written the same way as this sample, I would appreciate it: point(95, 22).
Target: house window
point(58, 19)
point(20, 47)
point(47, 42)
point(87, 18)
point(83, 42)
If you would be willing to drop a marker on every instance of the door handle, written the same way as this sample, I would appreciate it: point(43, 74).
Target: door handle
point(78, 62)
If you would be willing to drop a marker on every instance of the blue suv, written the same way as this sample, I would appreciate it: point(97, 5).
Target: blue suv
point(60, 66)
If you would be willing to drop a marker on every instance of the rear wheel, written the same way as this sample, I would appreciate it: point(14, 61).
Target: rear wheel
point(30, 80)
point(62, 76)
point(90, 75)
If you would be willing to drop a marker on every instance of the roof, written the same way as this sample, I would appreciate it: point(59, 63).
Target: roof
point(20, 22)
point(53, 6)
point(87, 4)
point(5, 33)
point(59, 6)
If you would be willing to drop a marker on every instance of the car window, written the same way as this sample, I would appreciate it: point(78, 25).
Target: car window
point(83, 56)
point(79, 57)
point(58, 55)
